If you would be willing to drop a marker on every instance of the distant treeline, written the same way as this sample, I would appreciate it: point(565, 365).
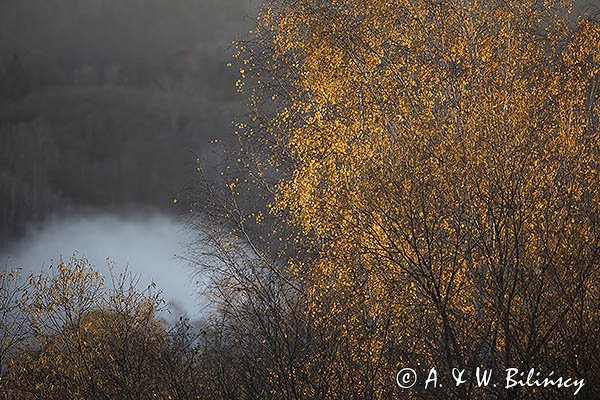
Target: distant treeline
point(104, 104)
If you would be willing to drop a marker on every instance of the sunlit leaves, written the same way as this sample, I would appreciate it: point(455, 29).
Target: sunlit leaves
point(442, 157)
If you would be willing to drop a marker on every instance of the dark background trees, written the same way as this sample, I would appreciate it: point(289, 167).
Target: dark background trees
point(106, 104)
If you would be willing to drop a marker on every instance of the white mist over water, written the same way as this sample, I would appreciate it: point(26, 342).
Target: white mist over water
point(147, 245)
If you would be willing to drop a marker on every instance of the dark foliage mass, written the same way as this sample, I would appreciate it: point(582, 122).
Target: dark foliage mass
point(103, 103)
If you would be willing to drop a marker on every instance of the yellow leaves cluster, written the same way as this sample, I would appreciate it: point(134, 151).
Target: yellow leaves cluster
point(90, 339)
point(438, 150)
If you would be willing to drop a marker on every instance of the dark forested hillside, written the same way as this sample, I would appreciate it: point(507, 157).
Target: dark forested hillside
point(104, 103)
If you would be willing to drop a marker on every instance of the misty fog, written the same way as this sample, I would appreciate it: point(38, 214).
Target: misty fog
point(104, 108)
point(150, 246)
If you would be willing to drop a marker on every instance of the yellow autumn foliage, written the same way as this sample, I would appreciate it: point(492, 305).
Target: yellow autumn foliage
point(441, 159)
